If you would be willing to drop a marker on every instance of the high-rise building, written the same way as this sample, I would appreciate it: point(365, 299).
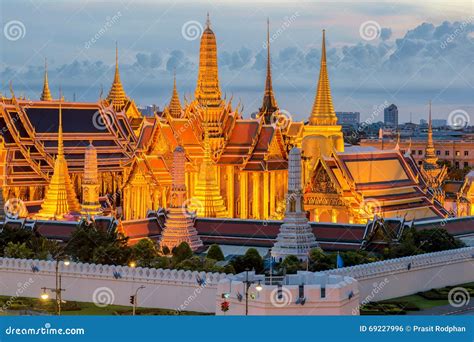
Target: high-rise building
point(348, 118)
point(390, 116)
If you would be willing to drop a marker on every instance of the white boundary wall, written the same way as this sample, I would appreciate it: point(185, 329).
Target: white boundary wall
point(405, 276)
point(170, 289)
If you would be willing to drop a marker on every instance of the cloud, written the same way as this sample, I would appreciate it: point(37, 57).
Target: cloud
point(179, 61)
point(148, 60)
point(385, 33)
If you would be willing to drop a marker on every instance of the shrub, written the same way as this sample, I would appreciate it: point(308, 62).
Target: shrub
point(215, 253)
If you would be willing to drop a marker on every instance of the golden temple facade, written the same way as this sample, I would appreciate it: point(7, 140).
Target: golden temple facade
point(234, 167)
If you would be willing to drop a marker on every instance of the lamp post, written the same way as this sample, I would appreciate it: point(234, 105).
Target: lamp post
point(249, 283)
point(135, 300)
point(57, 290)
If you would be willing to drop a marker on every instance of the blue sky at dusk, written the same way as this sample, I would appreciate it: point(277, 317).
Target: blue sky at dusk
point(403, 52)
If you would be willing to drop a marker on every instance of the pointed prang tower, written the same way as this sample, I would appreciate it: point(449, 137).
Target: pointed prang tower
point(208, 92)
point(179, 226)
point(296, 236)
point(269, 104)
point(322, 135)
point(117, 95)
point(60, 198)
point(175, 109)
point(46, 93)
point(207, 200)
point(90, 183)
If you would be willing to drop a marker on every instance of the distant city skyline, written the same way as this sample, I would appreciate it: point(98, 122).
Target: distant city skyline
point(378, 53)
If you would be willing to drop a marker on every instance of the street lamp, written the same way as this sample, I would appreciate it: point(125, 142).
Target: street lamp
point(132, 264)
point(57, 290)
point(249, 283)
point(134, 299)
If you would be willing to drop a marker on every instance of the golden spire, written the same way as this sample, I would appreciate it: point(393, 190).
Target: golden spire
point(207, 200)
point(175, 108)
point(430, 155)
point(208, 92)
point(46, 94)
point(60, 198)
point(269, 105)
point(116, 94)
point(323, 113)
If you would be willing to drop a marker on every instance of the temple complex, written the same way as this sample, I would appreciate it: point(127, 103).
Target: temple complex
point(234, 167)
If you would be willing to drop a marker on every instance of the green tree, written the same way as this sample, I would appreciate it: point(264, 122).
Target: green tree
point(89, 244)
point(250, 261)
point(215, 253)
point(320, 261)
point(18, 250)
point(437, 239)
point(15, 236)
point(291, 264)
point(182, 252)
point(144, 252)
point(165, 250)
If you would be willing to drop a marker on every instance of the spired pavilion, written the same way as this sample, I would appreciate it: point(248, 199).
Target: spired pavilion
point(234, 167)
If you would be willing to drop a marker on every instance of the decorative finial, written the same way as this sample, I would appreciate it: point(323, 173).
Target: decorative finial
point(208, 21)
point(323, 53)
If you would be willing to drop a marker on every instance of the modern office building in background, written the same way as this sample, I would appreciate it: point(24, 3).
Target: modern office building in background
point(348, 118)
point(390, 116)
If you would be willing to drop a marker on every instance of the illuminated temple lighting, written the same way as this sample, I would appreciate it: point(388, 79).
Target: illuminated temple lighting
point(179, 226)
point(207, 200)
point(60, 199)
point(234, 167)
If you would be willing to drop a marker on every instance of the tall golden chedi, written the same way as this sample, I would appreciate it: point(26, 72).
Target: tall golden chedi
point(90, 183)
point(46, 93)
point(322, 135)
point(179, 226)
point(117, 95)
point(207, 200)
point(60, 199)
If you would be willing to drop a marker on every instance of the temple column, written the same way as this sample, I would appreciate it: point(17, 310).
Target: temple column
point(163, 198)
point(230, 190)
point(244, 193)
point(272, 192)
point(256, 195)
point(333, 215)
point(266, 195)
point(316, 215)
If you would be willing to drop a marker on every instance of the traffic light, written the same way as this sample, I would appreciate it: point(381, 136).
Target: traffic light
point(132, 300)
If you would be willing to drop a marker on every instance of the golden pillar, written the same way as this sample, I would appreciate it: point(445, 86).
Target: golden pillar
point(256, 195)
point(266, 195)
point(272, 192)
point(244, 194)
point(230, 190)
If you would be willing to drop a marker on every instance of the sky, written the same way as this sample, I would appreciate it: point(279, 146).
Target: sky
point(379, 52)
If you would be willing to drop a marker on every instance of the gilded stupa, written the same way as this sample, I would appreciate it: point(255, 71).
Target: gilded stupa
point(179, 226)
point(46, 93)
point(117, 95)
point(60, 199)
point(207, 200)
point(90, 183)
point(175, 109)
point(322, 136)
